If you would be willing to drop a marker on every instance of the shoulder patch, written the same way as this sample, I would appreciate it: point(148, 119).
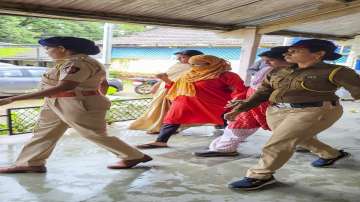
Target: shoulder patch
point(332, 74)
point(71, 69)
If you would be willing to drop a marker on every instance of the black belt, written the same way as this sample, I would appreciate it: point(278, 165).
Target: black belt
point(311, 104)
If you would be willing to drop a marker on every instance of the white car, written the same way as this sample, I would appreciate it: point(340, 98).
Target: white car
point(15, 80)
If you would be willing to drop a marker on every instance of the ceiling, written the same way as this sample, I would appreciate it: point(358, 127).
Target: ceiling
point(315, 18)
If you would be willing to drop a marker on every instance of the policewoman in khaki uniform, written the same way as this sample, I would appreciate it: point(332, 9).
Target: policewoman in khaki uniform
point(74, 97)
point(303, 104)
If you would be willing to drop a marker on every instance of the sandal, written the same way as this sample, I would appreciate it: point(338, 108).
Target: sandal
point(152, 132)
point(151, 146)
point(125, 164)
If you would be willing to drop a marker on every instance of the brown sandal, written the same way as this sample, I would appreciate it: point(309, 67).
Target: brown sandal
point(126, 164)
point(23, 169)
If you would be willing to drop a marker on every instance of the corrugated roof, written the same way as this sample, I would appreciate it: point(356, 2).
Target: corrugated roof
point(269, 16)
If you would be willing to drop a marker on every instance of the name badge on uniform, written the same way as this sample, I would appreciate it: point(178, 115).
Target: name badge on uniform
point(311, 77)
point(71, 69)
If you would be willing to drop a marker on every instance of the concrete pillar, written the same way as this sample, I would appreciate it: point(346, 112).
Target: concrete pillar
point(353, 61)
point(38, 62)
point(355, 53)
point(107, 46)
point(251, 41)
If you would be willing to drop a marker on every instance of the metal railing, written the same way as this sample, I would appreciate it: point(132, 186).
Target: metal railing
point(22, 120)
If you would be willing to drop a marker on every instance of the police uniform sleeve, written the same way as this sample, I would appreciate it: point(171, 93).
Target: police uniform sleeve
point(262, 94)
point(348, 79)
point(74, 71)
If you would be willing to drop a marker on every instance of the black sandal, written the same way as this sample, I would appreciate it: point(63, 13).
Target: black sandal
point(150, 146)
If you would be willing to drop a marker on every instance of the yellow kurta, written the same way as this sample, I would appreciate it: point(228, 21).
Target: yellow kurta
point(152, 119)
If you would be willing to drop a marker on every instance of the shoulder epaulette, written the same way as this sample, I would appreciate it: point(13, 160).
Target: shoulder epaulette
point(332, 74)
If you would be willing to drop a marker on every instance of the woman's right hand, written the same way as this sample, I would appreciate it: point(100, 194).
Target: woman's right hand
point(162, 76)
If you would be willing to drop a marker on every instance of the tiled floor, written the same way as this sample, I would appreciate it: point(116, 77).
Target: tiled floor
point(77, 170)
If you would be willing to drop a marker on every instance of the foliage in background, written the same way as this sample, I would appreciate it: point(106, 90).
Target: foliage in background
point(23, 121)
point(28, 30)
point(114, 73)
point(3, 129)
point(9, 52)
point(124, 110)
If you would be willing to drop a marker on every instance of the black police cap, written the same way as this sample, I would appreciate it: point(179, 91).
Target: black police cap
point(275, 52)
point(315, 45)
point(78, 45)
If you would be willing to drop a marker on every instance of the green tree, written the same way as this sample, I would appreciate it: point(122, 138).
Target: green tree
point(14, 29)
point(11, 31)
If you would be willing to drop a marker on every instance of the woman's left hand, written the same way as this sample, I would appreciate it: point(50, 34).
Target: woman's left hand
point(237, 109)
point(234, 103)
point(6, 101)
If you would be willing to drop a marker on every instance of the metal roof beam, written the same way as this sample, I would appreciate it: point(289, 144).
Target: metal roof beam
point(311, 35)
point(23, 9)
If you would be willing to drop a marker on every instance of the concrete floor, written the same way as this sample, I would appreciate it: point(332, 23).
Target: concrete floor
point(77, 171)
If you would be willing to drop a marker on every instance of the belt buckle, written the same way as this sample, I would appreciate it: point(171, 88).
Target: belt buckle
point(283, 105)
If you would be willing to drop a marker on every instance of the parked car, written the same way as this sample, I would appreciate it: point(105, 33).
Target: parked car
point(4, 64)
point(16, 80)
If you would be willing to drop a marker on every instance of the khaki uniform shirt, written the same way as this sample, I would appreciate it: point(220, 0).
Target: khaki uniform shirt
point(80, 68)
point(314, 84)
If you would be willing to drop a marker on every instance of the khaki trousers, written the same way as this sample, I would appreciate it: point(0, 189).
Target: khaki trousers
point(86, 115)
point(292, 127)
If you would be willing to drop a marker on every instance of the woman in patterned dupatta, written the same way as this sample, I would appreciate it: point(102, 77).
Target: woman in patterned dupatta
point(247, 123)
